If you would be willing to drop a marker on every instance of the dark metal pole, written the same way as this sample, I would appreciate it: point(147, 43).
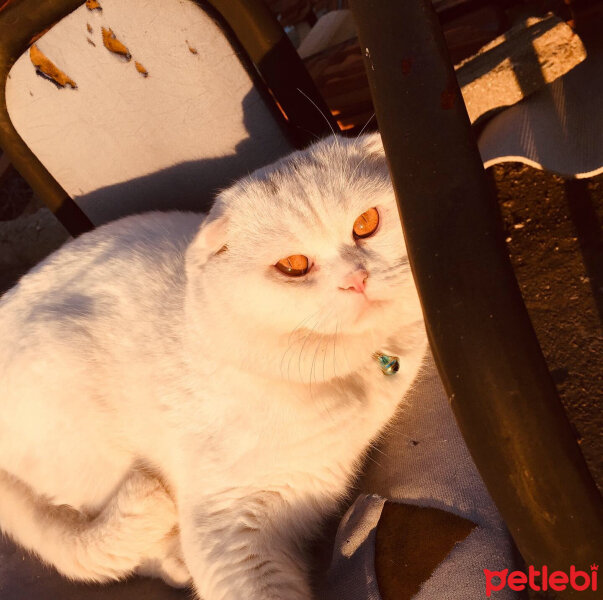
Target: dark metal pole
point(280, 66)
point(487, 353)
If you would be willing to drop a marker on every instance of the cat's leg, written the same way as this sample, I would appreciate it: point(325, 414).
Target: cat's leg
point(248, 546)
point(136, 530)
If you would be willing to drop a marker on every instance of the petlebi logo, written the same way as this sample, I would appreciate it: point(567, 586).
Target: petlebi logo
point(541, 580)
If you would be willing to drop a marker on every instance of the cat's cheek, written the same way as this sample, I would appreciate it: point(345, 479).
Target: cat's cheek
point(275, 305)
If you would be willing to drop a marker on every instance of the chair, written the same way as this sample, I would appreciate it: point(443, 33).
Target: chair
point(160, 104)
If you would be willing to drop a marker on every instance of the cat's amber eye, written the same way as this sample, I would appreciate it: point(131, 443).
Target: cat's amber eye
point(366, 224)
point(295, 265)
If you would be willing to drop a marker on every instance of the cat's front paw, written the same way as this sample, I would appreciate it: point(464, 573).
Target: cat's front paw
point(163, 555)
point(175, 573)
point(170, 567)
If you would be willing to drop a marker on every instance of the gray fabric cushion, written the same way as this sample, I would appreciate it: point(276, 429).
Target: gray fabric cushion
point(422, 460)
point(559, 128)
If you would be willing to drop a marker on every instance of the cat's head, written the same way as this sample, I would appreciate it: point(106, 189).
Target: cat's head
point(312, 242)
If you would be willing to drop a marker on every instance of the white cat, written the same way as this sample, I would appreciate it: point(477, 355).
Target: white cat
point(187, 394)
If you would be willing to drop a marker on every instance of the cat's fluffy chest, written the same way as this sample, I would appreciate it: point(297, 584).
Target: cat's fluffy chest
point(282, 429)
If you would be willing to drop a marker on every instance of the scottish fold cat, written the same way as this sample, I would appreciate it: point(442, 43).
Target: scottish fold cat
point(188, 396)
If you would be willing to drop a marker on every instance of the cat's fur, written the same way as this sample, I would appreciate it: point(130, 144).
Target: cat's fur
point(164, 386)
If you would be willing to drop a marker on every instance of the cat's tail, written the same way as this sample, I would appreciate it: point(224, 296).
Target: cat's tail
point(137, 527)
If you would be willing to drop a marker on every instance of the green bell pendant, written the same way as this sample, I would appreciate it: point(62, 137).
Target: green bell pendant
point(389, 365)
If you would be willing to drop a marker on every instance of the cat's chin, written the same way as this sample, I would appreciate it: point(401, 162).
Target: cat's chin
point(366, 309)
point(371, 303)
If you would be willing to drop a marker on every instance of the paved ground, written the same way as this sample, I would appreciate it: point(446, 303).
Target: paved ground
point(554, 239)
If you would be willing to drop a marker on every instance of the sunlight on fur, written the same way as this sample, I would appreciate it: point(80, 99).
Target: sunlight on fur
point(176, 404)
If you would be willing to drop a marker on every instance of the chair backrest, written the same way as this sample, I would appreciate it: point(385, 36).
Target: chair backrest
point(559, 128)
point(135, 105)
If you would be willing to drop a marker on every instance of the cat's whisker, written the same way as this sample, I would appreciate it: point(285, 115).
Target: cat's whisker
point(319, 336)
point(299, 364)
point(303, 341)
point(334, 349)
point(365, 126)
point(373, 460)
point(291, 343)
point(301, 324)
point(318, 343)
point(292, 353)
point(399, 433)
point(375, 448)
point(318, 346)
point(323, 114)
point(324, 361)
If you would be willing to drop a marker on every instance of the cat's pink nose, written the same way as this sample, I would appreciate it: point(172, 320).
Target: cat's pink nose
point(355, 281)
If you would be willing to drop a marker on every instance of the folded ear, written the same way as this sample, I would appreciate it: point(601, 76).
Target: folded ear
point(210, 240)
